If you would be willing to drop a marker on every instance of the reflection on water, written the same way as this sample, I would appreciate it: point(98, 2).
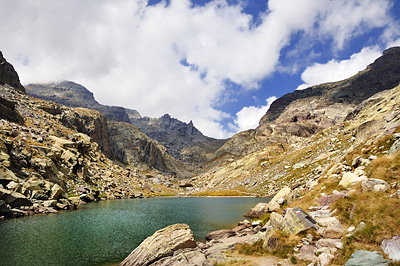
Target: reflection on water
point(107, 231)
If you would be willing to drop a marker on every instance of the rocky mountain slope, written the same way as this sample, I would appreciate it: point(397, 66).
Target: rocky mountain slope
point(127, 144)
point(54, 157)
point(305, 131)
point(182, 140)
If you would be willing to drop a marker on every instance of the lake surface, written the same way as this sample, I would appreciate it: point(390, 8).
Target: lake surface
point(106, 232)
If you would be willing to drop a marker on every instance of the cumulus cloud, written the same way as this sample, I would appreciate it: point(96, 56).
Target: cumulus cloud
point(338, 70)
point(248, 117)
point(170, 58)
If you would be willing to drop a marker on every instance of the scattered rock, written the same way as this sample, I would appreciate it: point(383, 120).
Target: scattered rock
point(329, 199)
point(367, 258)
point(391, 247)
point(161, 244)
point(329, 243)
point(375, 185)
point(325, 259)
point(306, 253)
point(223, 233)
point(350, 179)
point(395, 147)
point(396, 194)
point(332, 228)
point(361, 226)
point(56, 191)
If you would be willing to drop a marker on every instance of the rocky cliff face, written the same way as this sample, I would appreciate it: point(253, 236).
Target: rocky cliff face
point(51, 151)
point(134, 148)
point(182, 140)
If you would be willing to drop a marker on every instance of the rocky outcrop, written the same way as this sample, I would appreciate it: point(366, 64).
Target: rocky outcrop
point(182, 140)
point(134, 148)
point(8, 111)
point(161, 244)
point(75, 95)
point(8, 75)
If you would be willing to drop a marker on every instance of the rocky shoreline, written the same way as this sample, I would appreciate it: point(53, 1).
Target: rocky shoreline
point(318, 236)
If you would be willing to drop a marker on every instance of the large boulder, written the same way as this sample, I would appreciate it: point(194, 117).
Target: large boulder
point(296, 220)
point(56, 191)
point(259, 210)
point(14, 199)
point(34, 183)
point(6, 176)
point(375, 185)
point(367, 258)
point(282, 195)
point(350, 179)
point(391, 247)
point(223, 233)
point(161, 244)
point(331, 227)
point(306, 253)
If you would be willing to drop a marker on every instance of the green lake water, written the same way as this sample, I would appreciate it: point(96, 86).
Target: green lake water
point(106, 232)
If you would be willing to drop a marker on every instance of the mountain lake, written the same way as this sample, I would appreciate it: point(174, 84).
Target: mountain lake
point(105, 232)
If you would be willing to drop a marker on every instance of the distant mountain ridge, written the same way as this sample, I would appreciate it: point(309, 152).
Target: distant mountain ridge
point(182, 140)
point(304, 113)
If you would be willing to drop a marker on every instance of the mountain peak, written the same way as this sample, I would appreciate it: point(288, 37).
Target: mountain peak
point(382, 74)
point(8, 75)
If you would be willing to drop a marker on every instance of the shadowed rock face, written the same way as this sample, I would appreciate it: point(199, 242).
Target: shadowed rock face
point(182, 140)
point(8, 75)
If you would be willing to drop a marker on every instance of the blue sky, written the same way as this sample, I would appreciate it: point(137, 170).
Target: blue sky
point(219, 63)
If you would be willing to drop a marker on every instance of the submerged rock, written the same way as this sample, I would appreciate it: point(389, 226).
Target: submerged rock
point(161, 244)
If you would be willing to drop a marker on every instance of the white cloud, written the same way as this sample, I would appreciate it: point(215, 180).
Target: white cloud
point(249, 117)
point(338, 70)
point(128, 53)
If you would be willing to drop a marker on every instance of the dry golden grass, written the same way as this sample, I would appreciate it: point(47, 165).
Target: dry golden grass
point(380, 214)
point(221, 193)
point(385, 167)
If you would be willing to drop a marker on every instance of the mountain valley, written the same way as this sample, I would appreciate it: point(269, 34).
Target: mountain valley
point(60, 148)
